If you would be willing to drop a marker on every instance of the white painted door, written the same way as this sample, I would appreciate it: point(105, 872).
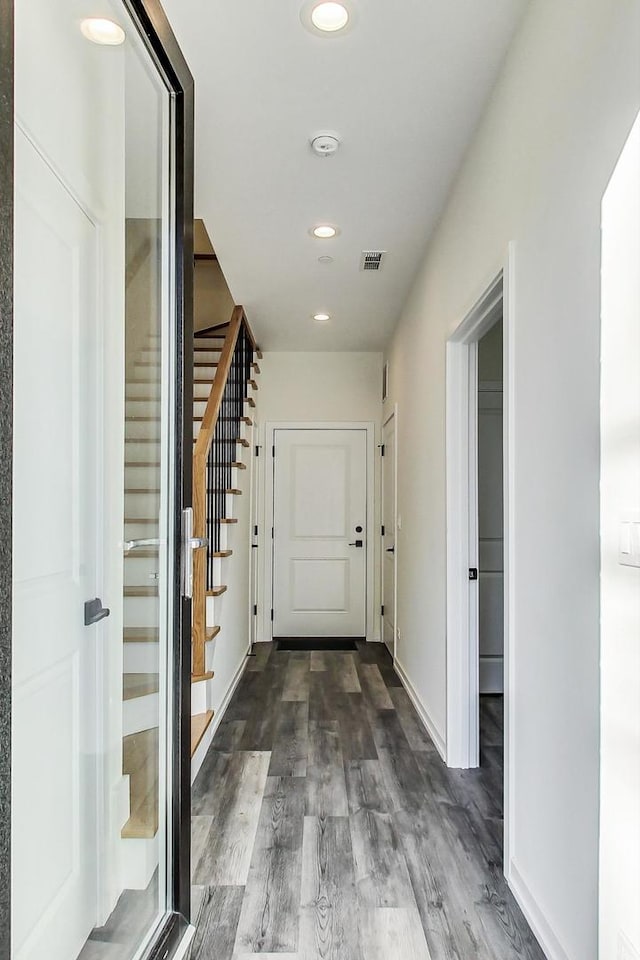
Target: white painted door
point(56, 471)
point(320, 533)
point(389, 536)
point(491, 543)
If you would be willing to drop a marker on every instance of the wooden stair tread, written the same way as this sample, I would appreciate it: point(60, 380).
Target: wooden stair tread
point(222, 554)
point(211, 634)
point(238, 465)
point(140, 763)
point(258, 354)
point(253, 384)
point(250, 401)
point(141, 591)
point(152, 553)
point(198, 678)
point(228, 520)
point(136, 685)
point(255, 367)
point(199, 724)
point(217, 591)
point(141, 635)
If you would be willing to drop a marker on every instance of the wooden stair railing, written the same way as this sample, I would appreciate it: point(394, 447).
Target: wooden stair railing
point(204, 472)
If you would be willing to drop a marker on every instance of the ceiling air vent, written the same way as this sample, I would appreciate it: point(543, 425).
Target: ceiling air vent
point(372, 259)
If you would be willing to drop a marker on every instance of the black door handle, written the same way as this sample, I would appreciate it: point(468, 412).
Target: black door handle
point(94, 612)
point(356, 543)
point(391, 549)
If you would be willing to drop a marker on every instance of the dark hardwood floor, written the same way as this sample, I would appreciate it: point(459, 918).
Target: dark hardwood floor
point(326, 826)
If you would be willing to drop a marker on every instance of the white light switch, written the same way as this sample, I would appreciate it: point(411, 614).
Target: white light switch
point(629, 540)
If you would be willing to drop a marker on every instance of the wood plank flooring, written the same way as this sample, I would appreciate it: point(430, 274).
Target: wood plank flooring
point(326, 827)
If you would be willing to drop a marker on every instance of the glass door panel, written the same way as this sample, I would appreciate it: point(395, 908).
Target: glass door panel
point(96, 506)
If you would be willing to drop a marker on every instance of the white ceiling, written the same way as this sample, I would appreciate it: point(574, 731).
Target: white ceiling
point(404, 88)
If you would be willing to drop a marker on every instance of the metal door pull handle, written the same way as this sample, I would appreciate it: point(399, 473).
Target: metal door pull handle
point(134, 544)
point(94, 611)
point(197, 542)
point(356, 543)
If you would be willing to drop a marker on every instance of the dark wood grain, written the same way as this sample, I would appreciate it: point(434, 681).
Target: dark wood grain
point(217, 923)
point(269, 918)
point(291, 740)
point(329, 905)
point(367, 847)
point(326, 789)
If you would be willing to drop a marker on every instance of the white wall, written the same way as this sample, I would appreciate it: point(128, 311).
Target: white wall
point(535, 175)
point(307, 387)
point(620, 585)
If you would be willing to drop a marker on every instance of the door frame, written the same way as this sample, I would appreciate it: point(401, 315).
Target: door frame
point(392, 416)
point(268, 570)
point(172, 65)
point(6, 459)
point(462, 534)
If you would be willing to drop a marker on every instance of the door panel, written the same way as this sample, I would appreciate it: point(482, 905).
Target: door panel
point(55, 559)
point(320, 491)
point(389, 539)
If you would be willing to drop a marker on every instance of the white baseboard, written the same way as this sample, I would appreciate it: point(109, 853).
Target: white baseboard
point(422, 711)
point(534, 916)
point(205, 743)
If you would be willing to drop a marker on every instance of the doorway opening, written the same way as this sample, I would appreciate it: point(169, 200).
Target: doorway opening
point(478, 504)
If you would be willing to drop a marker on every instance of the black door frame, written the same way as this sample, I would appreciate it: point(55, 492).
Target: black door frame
point(164, 48)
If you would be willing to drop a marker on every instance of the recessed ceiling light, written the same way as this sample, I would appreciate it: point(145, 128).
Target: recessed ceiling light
point(330, 17)
point(321, 317)
point(325, 231)
point(325, 259)
point(102, 31)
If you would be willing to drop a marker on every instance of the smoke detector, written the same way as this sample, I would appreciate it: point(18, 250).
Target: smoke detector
point(325, 144)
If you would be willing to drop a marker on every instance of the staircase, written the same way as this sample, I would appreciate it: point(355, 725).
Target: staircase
point(225, 372)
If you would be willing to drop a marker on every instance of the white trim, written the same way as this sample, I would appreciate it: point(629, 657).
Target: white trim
point(205, 743)
point(421, 710)
point(182, 950)
point(392, 416)
point(509, 393)
point(372, 622)
point(535, 917)
point(462, 526)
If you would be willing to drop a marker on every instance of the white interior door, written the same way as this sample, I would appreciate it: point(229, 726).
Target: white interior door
point(389, 511)
point(490, 535)
point(55, 552)
point(320, 533)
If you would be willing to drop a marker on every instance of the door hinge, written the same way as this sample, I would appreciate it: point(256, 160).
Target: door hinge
point(382, 610)
point(255, 530)
point(272, 533)
point(382, 449)
point(255, 609)
point(257, 451)
point(273, 450)
point(272, 614)
point(382, 529)
point(473, 573)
